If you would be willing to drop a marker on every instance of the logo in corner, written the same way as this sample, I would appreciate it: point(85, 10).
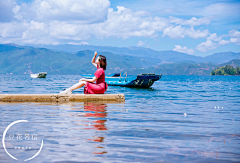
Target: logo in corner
point(19, 137)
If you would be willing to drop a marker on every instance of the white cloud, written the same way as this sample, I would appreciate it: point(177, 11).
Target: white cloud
point(235, 36)
point(222, 10)
point(184, 49)
point(206, 46)
point(125, 23)
point(78, 43)
point(191, 22)
point(90, 11)
point(174, 32)
point(197, 33)
point(214, 37)
point(223, 42)
point(234, 33)
point(175, 20)
point(196, 22)
point(181, 32)
point(235, 40)
point(140, 43)
point(16, 9)
point(209, 45)
point(13, 29)
point(69, 31)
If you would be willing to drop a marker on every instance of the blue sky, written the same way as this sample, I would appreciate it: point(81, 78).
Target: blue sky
point(197, 28)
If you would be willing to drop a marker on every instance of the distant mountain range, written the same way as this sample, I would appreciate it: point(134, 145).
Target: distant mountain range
point(146, 53)
point(185, 68)
point(76, 59)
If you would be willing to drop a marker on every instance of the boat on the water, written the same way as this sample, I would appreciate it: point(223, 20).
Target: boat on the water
point(117, 79)
point(39, 75)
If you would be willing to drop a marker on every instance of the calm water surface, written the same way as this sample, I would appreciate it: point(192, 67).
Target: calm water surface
point(179, 119)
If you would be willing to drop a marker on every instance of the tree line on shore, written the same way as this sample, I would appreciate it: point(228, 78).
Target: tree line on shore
point(226, 70)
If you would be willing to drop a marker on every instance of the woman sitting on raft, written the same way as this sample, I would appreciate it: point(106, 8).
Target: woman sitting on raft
point(99, 76)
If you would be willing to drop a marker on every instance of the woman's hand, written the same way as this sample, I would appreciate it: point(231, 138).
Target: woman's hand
point(81, 80)
point(95, 53)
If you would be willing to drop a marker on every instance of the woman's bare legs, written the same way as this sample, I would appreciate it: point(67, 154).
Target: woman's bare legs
point(77, 85)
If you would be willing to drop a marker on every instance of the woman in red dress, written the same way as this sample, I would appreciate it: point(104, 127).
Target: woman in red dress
point(99, 76)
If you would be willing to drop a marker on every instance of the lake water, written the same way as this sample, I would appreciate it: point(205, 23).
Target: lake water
point(179, 119)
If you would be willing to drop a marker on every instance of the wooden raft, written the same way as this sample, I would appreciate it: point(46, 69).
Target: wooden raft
point(61, 98)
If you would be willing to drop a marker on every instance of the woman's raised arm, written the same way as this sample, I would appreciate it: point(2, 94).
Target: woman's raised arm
point(93, 59)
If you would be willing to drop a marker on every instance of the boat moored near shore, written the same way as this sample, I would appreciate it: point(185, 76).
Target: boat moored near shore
point(141, 81)
point(39, 75)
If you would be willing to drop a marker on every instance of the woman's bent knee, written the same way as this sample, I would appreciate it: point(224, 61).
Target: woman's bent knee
point(84, 82)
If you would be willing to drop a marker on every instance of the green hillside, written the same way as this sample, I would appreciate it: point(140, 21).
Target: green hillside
point(226, 70)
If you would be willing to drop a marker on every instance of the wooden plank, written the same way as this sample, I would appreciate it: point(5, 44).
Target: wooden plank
point(61, 98)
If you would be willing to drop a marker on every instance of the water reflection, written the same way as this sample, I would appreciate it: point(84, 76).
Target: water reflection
point(99, 112)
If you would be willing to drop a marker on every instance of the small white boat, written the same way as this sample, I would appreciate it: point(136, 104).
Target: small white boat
point(39, 75)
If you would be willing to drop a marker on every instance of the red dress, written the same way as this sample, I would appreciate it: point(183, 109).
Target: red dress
point(99, 86)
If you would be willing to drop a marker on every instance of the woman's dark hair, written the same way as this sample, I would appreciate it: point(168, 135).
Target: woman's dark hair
point(103, 61)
